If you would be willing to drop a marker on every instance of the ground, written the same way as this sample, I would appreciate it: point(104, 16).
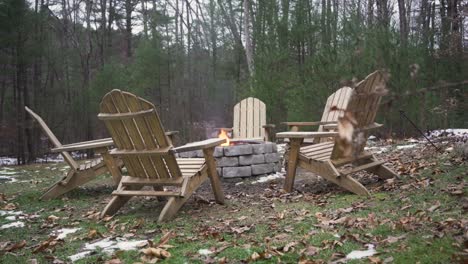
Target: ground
point(418, 219)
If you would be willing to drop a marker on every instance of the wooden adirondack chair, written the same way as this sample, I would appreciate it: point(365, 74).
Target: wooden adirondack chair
point(249, 120)
point(150, 158)
point(79, 174)
point(326, 159)
point(338, 99)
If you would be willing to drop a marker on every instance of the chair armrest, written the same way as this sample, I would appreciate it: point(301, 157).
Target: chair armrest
point(92, 144)
point(309, 123)
point(171, 133)
point(372, 126)
point(269, 126)
point(306, 134)
point(208, 143)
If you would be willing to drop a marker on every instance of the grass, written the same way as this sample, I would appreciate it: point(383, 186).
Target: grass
point(251, 221)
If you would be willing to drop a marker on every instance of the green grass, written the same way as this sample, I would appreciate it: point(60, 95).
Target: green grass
point(272, 222)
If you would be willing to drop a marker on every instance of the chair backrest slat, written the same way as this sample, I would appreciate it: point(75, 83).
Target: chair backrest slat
point(249, 118)
point(139, 133)
point(363, 106)
point(338, 99)
point(66, 155)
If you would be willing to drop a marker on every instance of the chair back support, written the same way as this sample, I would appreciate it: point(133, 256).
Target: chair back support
point(66, 156)
point(363, 106)
point(136, 130)
point(249, 118)
point(338, 99)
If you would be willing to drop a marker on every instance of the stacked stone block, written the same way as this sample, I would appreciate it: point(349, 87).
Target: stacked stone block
point(244, 160)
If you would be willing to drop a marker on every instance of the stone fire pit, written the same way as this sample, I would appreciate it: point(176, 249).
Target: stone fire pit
point(243, 159)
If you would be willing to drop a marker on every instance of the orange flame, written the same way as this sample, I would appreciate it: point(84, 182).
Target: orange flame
point(223, 134)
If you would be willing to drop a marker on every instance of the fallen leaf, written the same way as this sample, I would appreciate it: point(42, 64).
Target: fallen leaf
point(15, 246)
point(311, 251)
point(113, 261)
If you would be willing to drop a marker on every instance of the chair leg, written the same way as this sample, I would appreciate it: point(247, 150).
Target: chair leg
point(171, 208)
point(73, 180)
point(295, 145)
point(118, 201)
point(175, 203)
point(213, 175)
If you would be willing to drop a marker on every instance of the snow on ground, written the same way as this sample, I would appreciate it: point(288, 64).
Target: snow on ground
point(64, 232)
point(12, 224)
point(457, 132)
point(271, 177)
point(406, 146)
point(108, 246)
point(358, 254)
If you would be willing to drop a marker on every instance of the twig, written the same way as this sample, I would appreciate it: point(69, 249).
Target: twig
point(420, 131)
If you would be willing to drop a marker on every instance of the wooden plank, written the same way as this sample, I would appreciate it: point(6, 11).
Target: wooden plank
point(127, 180)
point(292, 163)
point(45, 128)
point(256, 119)
point(83, 146)
point(250, 118)
point(182, 161)
point(143, 152)
point(243, 119)
point(236, 121)
point(154, 124)
point(208, 143)
point(145, 193)
point(213, 175)
point(117, 131)
point(262, 118)
point(305, 134)
point(362, 167)
point(122, 116)
point(317, 146)
point(144, 166)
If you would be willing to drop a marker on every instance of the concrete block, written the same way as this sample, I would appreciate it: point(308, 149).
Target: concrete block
point(232, 172)
point(218, 152)
point(220, 172)
point(227, 161)
point(251, 159)
point(272, 157)
point(261, 148)
point(238, 150)
point(258, 169)
point(274, 147)
point(199, 153)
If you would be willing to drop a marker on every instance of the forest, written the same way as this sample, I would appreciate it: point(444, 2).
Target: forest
point(194, 59)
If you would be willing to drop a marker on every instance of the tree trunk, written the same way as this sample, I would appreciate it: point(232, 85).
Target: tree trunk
point(403, 22)
point(248, 40)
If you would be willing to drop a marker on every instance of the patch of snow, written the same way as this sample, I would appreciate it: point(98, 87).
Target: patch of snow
point(371, 137)
point(281, 148)
point(377, 150)
point(14, 217)
point(64, 232)
point(269, 178)
point(79, 256)
point(8, 161)
point(458, 132)
point(406, 146)
point(7, 172)
point(336, 235)
point(412, 140)
point(205, 252)
point(13, 224)
point(8, 179)
point(2, 212)
point(108, 246)
point(358, 254)
point(239, 183)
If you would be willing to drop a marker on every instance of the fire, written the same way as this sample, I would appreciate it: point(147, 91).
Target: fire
point(223, 134)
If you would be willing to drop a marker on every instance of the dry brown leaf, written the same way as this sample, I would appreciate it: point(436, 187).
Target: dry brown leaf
point(113, 261)
point(93, 233)
point(255, 256)
point(311, 251)
point(9, 207)
point(165, 238)
point(49, 243)
point(374, 260)
point(15, 246)
point(52, 218)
